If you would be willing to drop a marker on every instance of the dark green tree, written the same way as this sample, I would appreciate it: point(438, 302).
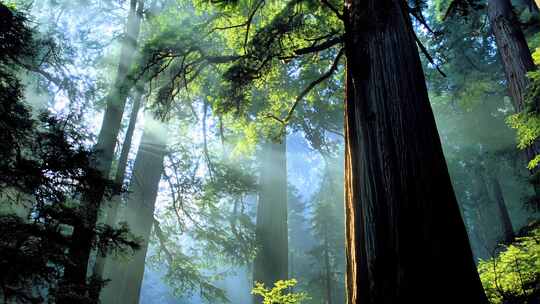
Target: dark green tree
point(45, 168)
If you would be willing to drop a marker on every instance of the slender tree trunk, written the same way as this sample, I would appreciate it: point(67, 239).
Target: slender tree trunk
point(506, 222)
point(270, 264)
point(482, 211)
point(488, 216)
point(328, 269)
point(475, 235)
point(141, 205)
point(406, 241)
point(516, 57)
point(126, 279)
point(112, 210)
point(83, 234)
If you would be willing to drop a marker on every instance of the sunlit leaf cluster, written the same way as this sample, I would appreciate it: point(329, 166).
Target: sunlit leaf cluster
point(513, 276)
point(279, 294)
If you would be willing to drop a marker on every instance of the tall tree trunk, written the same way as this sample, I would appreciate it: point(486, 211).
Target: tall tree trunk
point(126, 279)
point(516, 57)
point(406, 241)
point(327, 267)
point(487, 215)
point(112, 210)
point(270, 264)
point(483, 212)
point(506, 222)
point(80, 249)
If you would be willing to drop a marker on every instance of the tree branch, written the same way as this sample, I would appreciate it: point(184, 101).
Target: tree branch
point(162, 241)
point(310, 87)
point(319, 47)
point(428, 56)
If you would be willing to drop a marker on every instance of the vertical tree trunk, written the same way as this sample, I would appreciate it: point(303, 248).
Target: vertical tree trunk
point(516, 57)
point(126, 279)
point(327, 266)
point(112, 210)
point(483, 212)
point(488, 212)
point(406, 241)
point(270, 264)
point(506, 222)
point(79, 253)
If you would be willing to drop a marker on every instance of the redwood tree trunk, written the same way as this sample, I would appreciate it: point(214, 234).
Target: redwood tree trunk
point(406, 241)
point(80, 249)
point(327, 267)
point(112, 210)
point(483, 211)
point(516, 57)
point(126, 279)
point(506, 222)
point(271, 262)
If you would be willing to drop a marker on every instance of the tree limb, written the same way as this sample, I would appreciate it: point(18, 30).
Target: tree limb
point(319, 47)
point(308, 89)
point(162, 241)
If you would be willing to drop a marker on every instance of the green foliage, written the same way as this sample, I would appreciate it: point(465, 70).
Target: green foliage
point(10, 5)
point(527, 123)
point(533, 93)
point(514, 275)
point(279, 293)
point(527, 126)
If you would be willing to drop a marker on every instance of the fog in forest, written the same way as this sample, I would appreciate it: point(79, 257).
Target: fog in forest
point(255, 151)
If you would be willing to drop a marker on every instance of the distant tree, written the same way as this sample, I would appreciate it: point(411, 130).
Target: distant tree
point(139, 214)
point(271, 261)
point(111, 210)
point(327, 256)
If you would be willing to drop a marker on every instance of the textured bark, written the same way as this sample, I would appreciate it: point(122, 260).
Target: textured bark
point(126, 278)
point(516, 57)
point(406, 241)
point(513, 49)
point(270, 264)
point(506, 222)
point(112, 210)
point(83, 233)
